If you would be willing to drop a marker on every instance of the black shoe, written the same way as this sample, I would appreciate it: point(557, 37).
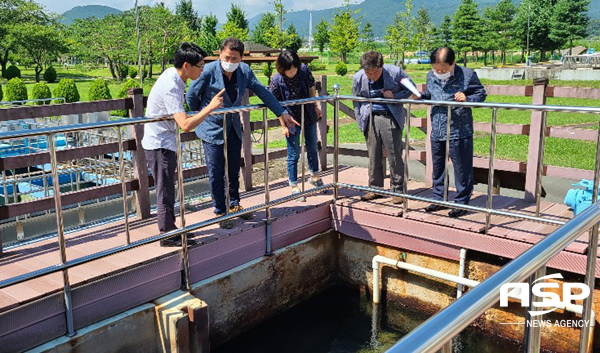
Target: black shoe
point(434, 207)
point(176, 242)
point(370, 196)
point(455, 213)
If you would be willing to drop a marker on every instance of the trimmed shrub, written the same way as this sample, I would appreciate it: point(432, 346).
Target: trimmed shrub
point(131, 83)
point(67, 89)
point(16, 90)
point(50, 75)
point(124, 71)
point(41, 91)
point(99, 90)
point(316, 67)
point(133, 71)
point(12, 71)
point(341, 69)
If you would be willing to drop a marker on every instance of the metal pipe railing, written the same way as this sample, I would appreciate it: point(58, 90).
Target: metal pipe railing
point(546, 248)
point(431, 335)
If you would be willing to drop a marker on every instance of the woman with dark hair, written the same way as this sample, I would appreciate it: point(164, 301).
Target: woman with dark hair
point(295, 81)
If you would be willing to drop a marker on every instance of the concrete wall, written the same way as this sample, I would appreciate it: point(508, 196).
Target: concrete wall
point(430, 295)
point(247, 295)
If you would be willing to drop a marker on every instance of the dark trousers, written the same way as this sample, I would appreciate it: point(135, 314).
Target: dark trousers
point(461, 155)
point(385, 133)
point(215, 160)
point(163, 162)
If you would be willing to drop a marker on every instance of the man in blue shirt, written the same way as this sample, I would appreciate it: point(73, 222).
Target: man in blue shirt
point(384, 131)
point(235, 77)
point(450, 82)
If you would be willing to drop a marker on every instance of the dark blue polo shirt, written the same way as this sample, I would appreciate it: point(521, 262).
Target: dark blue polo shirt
point(377, 107)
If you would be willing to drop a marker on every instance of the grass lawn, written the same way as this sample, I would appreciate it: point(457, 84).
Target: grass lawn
point(559, 152)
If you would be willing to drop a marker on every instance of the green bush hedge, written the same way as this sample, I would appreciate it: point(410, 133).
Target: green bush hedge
point(316, 67)
point(50, 75)
point(124, 71)
point(67, 89)
point(133, 71)
point(41, 90)
point(131, 83)
point(99, 90)
point(341, 69)
point(12, 71)
point(16, 90)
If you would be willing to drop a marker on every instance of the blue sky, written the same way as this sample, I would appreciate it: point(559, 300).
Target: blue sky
point(204, 7)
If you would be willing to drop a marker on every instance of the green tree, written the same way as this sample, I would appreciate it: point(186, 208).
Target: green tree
point(502, 22)
point(321, 36)
point(42, 43)
point(13, 15)
point(466, 28)
point(16, 90)
point(185, 10)
point(236, 25)
point(368, 39)
point(344, 30)
point(172, 30)
point(208, 36)
point(446, 30)
point(277, 37)
point(534, 21)
point(259, 34)
point(569, 21)
point(294, 41)
point(400, 35)
point(423, 29)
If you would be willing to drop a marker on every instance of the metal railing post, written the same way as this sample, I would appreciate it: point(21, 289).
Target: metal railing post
point(123, 185)
point(533, 332)
point(226, 164)
point(336, 142)
point(592, 253)
point(268, 251)
point(490, 199)
point(406, 159)
point(186, 285)
point(446, 155)
point(61, 236)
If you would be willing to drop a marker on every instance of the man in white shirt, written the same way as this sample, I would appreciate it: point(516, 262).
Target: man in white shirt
point(159, 142)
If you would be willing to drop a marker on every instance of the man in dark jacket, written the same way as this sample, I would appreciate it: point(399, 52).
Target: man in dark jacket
point(450, 82)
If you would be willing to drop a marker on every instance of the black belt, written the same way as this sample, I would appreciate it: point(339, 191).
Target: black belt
point(386, 114)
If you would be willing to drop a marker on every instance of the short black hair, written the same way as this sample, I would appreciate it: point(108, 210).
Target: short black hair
point(286, 60)
point(233, 44)
point(371, 60)
point(188, 53)
point(443, 55)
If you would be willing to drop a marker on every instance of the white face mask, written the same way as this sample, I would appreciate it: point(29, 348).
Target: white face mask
point(444, 76)
point(229, 67)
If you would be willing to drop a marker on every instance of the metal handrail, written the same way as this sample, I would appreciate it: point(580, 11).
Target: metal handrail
point(433, 333)
point(550, 241)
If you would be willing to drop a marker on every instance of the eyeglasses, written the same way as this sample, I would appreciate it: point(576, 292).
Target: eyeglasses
point(231, 58)
point(201, 67)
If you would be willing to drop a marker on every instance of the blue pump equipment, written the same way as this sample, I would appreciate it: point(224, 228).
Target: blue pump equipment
point(580, 198)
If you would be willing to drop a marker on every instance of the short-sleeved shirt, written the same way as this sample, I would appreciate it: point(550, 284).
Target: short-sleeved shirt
point(166, 98)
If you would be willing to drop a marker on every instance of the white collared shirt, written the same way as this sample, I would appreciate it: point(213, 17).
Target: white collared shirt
point(166, 98)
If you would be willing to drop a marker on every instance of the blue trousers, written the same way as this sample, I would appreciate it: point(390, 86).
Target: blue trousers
point(293, 150)
point(215, 161)
point(461, 155)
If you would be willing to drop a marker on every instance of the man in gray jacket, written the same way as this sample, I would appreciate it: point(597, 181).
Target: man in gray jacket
point(384, 130)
